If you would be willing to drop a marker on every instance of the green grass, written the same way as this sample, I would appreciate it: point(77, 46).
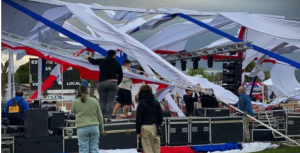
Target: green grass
point(283, 149)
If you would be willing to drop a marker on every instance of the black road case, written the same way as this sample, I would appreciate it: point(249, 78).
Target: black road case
point(199, 130)
point(7, 144)
point(293, 124)
point(164, 136)
point(47, 144)
point(211, 112)
point(119, 136)
point(70, 142)
point(178, 131)
point(226, 129)
point(265, 135)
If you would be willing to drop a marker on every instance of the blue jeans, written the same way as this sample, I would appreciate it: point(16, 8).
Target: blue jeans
point(88, 139)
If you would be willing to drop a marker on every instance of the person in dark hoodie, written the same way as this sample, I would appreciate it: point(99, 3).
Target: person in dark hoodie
point(110, 77)
point(209, 101)
point(149, 114)
point(189, 100)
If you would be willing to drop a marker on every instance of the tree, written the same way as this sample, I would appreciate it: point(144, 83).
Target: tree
point(199, 71)
point(249, 68)
point(4, 76)
point(22, 73)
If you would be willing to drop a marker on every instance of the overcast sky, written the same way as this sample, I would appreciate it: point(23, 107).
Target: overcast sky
point(289, 8)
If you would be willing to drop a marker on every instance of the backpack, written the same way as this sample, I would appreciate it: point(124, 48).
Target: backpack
point(14, 112)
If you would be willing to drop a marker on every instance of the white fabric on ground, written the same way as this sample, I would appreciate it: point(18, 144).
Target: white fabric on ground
point(119, 151)
point(251, 147)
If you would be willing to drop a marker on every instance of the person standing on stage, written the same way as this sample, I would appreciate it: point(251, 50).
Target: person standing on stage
point(15, 109)
point(272, 96)
point(111, 75)
point(84, 82)
point(149, 115)
point(124, 96)
point(189, 100)
point(245, 105)
point(89, 121)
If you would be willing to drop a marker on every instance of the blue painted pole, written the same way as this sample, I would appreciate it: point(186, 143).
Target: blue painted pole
point(60, 29)
point(253, 84)
point(234, 39)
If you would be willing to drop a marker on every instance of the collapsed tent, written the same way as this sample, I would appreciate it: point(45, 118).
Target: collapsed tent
point(114, 35)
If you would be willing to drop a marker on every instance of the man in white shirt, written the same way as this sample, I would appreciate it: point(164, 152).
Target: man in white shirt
point(124, 93)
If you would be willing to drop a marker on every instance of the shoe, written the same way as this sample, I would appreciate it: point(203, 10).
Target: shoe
point(108, 121)
point(113, 117)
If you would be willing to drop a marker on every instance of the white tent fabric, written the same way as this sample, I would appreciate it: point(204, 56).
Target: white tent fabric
point(272, 88)
point(284, 30)
point(221, 93)
point(143, 54)
point(283, 78)
point(173, 106)
point(182, 31)
point(251, 147)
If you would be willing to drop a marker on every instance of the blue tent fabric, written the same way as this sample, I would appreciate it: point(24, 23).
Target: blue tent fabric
point(60, 29)
point(224, 147)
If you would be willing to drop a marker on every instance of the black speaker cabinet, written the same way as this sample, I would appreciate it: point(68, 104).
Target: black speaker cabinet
point(70, 141)
point(226, 129)
point(7, 144)
point(56, 119)
point(47, 144)
point(178, 131)
point(125, 138)
point(36, 123)
point(199, 112)
point(200, 130)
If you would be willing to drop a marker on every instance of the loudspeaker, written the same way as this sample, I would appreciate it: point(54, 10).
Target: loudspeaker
point(56, 119)
point(164, 129)
point(36, 123)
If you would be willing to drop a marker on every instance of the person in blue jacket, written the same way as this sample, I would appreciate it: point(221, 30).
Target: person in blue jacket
point(23, 105)
point(245, 105)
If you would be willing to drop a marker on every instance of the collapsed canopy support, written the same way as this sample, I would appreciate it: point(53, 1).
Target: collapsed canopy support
point(60, 29)
point(234, 39)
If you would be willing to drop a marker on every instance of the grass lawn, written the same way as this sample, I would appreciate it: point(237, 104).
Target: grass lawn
point(283, 149)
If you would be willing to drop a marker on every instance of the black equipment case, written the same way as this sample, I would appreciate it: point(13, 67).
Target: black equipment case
point(178, 131)
point(211, 112)
point(199, 130)
point(226, 129)
point(119, 136)
point(45, 144)
point(164, 129)
point(7, 144)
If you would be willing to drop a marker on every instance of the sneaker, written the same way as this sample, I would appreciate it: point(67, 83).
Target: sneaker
point(113, 117)
point(108, 121)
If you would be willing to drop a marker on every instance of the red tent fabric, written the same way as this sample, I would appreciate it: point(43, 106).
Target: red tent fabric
point(184, 149)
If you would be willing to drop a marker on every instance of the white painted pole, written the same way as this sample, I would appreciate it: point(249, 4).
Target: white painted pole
point(13, 71)
point(8, 95)
point(297, 143)
point(39, 78)
point(62, 82)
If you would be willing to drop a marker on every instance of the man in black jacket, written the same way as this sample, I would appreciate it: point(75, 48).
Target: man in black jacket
point(189, 100)
point(111, 75)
